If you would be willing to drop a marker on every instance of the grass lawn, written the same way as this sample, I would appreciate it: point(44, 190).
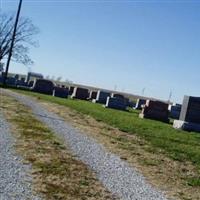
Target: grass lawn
point(177, 144)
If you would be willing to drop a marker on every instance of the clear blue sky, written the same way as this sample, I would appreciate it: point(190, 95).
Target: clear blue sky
point(130, 44)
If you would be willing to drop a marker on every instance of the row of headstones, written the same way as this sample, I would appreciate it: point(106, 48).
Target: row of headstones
point(16, 81)
point(188, 114)
point(48, 87)
point(109, 100)
point(116, 101)
point(151, 109)
point(174, 110)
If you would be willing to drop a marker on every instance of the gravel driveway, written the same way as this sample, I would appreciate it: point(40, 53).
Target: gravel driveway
point(116, 175)
point(15, 181)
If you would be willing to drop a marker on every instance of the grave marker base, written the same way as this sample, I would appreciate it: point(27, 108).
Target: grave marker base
point(187, 126)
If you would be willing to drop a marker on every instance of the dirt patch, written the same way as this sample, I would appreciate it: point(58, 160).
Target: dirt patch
point(162, 172)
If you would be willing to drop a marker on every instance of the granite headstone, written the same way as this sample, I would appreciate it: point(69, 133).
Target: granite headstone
point(119, 96)
point(43, 86)
point(80, 93)
point(92, 95)
point(11, 81)
point(101, 97)
point(60, 92)
point(189, 119)
point(116, 103)
point(30, 83)
point(21, 82)
point(155, 110)
point(174, 111)
point(71, 90)
point(139, 104)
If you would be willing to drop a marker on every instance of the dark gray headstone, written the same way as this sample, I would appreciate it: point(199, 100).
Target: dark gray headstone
point(92, 95)
point(80, 93)
point(190, 111)
point(102, 97)
point(11, 81)
point(122, 97)
point(21, 82)
point(139, 104)
point(30, 83)
point(71, 90)
point(43, 86)
point(131, 104)
point(116, 95)
point(22, 79)
point(61, 92)
point(155, 110)
point(34, 75)
point(127, 102)
point(190, 115)
point(1, 79)
point(116, 103)
point(174, 111)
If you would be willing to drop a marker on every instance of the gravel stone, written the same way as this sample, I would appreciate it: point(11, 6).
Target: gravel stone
point(15, 179)
point(115, 174)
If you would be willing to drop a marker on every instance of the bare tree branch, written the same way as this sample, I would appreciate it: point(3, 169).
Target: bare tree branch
point(23, 39)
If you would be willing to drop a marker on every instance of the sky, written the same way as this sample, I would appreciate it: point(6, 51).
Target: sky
point(139, 47)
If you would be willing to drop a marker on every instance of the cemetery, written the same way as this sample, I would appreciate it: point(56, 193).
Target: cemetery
point(127, 135)
point(186, 116)
point(154, 112)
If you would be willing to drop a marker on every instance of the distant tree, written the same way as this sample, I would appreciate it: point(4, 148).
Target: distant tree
point(23, 40)
point(68, 81)
point(47, 77)
point(59, 78)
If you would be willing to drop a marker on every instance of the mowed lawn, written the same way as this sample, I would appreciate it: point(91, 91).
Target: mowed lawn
point(177, 144)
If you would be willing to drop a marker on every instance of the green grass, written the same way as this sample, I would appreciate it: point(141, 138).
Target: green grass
point(194, 181)
point(177, 144)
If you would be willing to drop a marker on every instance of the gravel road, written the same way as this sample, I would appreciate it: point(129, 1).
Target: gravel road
point(15, 179)
point(116, 175)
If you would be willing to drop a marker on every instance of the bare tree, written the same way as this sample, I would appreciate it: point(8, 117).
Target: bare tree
point(23, 39)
